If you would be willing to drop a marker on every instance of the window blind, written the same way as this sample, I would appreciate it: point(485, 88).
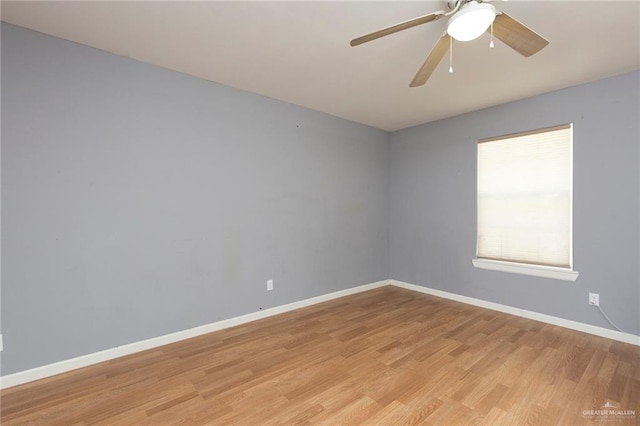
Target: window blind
point(525, 197)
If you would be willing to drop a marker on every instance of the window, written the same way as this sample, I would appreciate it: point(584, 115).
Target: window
point(525, 190)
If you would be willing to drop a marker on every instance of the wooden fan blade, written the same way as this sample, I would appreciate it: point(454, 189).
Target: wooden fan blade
point(398, 27)
point(517, 36)
point(432, 61)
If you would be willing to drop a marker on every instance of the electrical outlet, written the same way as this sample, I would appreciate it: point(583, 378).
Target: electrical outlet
point(1, 344)
point(269, 285)
point(594, 299)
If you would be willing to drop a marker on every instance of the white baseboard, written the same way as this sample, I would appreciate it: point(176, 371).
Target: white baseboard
point(573, 325)
point(108, 354)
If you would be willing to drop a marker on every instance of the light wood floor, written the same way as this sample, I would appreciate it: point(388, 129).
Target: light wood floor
point(387, 356)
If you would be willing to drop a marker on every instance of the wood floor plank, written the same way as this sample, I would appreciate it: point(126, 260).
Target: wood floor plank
point(384, 357)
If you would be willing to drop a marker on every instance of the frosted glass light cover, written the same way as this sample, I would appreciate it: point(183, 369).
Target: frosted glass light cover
point(471, 21)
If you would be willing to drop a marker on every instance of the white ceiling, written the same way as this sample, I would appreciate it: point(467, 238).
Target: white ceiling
point(298, 51)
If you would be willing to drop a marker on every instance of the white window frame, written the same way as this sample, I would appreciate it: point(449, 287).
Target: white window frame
point(567, 274)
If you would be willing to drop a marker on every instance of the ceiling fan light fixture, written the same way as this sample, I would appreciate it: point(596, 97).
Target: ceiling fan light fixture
point(471, 21)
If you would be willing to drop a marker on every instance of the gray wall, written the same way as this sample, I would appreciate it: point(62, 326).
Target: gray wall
point(138, 201)
point(433, 203)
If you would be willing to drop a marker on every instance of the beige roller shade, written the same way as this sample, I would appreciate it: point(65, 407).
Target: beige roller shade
point(525, 197)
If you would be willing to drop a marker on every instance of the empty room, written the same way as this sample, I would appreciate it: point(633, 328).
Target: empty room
point(320, 212)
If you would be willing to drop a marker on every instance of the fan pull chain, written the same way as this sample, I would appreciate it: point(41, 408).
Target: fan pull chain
point(451, 55)
point(491, 45)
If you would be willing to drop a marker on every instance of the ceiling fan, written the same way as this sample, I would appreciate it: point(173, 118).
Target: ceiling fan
point(468, 20)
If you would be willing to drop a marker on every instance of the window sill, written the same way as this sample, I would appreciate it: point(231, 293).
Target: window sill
point(521, 268)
